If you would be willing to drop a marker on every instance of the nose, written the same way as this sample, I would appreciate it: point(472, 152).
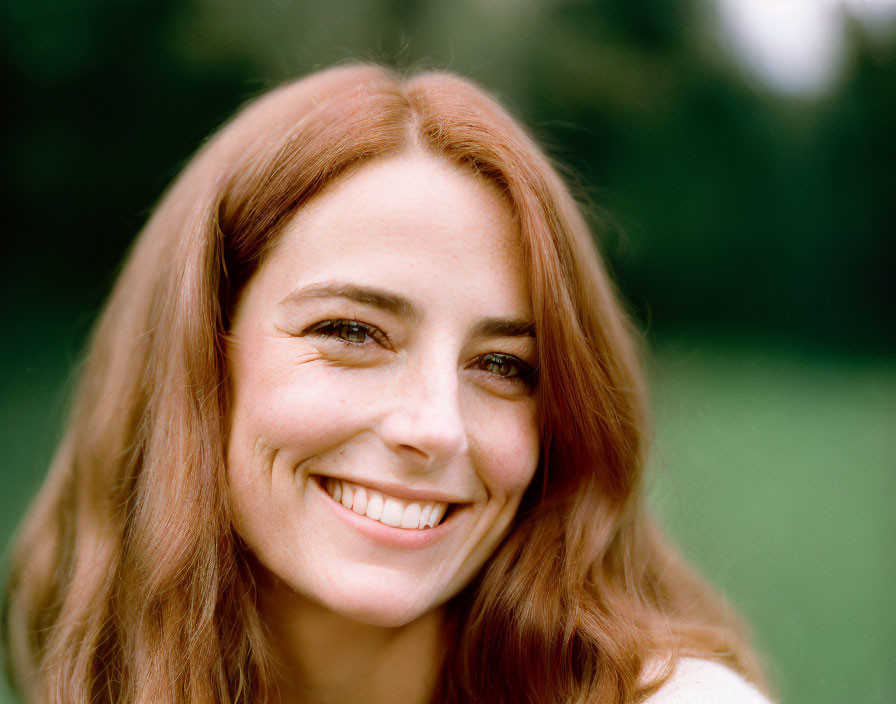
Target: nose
point(424, 423)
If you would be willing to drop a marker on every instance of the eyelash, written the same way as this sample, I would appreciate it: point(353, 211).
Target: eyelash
point(525, 373)
point(330, 329)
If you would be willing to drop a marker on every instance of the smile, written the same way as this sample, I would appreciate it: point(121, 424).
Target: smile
point(383, 508)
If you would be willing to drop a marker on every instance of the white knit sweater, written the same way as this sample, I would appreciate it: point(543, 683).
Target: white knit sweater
point(705, 682)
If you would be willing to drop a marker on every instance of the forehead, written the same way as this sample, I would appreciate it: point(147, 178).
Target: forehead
point(414, 221)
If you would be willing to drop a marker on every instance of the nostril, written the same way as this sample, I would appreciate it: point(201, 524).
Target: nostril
point(413, 453)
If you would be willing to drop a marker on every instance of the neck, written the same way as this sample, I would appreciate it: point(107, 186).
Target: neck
point(326, 657)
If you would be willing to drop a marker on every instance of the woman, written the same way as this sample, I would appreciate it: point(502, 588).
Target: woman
point(362, 421)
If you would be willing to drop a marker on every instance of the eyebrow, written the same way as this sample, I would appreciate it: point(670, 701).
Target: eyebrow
point(377, 298)
point(504, 327)
point(402, 307)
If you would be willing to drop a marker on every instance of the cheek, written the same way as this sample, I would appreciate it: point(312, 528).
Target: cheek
point(298, 408)
point(508, 449)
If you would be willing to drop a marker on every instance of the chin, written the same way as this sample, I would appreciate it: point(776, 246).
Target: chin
point(373, 615)
point(387, 614)
point(386, 607)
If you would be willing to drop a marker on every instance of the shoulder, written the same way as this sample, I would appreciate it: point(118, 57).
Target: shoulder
point(705, 682)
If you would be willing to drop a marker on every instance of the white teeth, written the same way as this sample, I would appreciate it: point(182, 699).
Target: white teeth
point(359, 505)
point(437, 512)
point(385, 509)
point(424, 515)
point(392, 510)
point(347, 495)
point(375, 506)
point(411, 516)
point(336, 491)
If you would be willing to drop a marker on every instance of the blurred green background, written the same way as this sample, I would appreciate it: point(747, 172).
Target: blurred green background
point(748, 220)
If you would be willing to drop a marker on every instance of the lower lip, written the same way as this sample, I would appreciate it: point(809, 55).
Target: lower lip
point(411, 538)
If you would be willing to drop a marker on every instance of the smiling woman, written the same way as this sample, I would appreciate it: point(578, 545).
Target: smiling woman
point(362, 421)
point(370, 360)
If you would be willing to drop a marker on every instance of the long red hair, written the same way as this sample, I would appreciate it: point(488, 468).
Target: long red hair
point(128, 584)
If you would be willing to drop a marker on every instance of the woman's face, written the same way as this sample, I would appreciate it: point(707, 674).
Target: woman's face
point(381, 370)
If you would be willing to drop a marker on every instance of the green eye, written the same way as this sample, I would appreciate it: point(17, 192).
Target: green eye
point(351, 332)
point(500, 364)
point(507, 366)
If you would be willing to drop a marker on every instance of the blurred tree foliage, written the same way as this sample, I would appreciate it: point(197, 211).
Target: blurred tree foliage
point(718, 205)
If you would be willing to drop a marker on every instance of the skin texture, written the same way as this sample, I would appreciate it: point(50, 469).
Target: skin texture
point(424, 396)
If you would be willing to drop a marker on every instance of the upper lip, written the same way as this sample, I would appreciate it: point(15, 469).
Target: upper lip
point(400, 491)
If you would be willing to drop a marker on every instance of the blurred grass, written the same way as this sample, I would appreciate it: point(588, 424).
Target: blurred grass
point(773, 466)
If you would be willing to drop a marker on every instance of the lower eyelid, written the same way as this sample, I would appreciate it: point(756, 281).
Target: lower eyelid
point(527, 377)
point(508, 387)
